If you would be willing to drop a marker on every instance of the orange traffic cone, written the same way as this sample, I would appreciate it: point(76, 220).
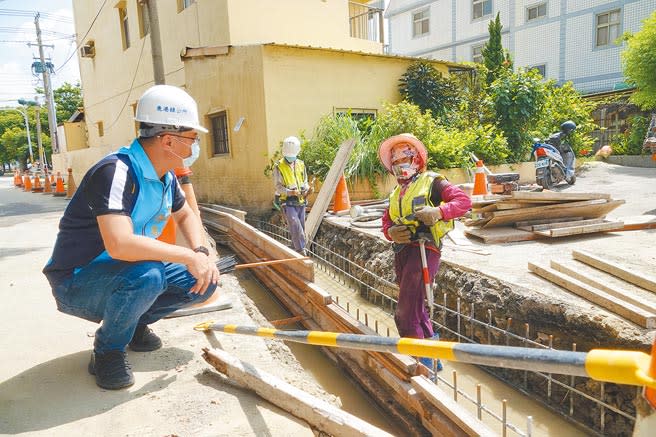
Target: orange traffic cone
point(18, 180)
point(27, 183)
point(70, 185)
point(37, 188)
point(480, 181)
point(47, 184)
point(168, 234)
point(341, 199)
point(59, 187)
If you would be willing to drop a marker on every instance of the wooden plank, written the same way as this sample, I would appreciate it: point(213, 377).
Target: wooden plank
point(504, 234)
point(317, 412)
point(455, 412)
point(565, 224)
point(585, 211)
point(554, 195)
point(641, 280)
point(614, 291)
point(639, 316)
point(582, 229)
point(327, 190)
point(639, 223)
point(547, 208)
point(527, 223)
point(516, 205)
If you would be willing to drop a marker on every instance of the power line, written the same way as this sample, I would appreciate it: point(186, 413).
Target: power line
point(25, 13)
point(82, 39)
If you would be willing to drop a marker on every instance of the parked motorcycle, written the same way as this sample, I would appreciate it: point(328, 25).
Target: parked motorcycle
point(554, 158)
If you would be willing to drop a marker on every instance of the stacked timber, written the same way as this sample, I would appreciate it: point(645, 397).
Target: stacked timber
point(524, 215)
point(616, 288)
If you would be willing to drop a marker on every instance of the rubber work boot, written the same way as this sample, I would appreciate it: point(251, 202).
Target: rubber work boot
point(111, 370)
point(144, 340)
point(429, 362)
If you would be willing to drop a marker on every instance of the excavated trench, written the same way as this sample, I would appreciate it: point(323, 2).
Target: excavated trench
point(508, 314)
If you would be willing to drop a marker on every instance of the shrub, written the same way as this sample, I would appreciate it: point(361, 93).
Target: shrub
point(630, 142)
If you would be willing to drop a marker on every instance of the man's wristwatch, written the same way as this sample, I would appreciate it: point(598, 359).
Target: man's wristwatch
point(202, 249)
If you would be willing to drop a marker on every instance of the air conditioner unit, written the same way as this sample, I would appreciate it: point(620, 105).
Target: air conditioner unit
point(88, 51)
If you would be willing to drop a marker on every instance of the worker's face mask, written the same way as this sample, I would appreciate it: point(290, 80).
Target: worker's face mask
point(290, 159)
point(404, 170)
point(195, 152)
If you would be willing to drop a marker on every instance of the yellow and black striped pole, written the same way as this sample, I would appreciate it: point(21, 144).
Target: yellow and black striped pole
point(618, 366)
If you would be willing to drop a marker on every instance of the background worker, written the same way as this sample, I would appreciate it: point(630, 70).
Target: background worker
point(107, 264)
point(422, 205)
point(291, 182)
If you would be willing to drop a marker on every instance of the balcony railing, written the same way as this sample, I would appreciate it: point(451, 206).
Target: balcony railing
point(366, 22)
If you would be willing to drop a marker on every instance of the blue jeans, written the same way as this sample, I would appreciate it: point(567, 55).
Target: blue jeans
point(125, 294)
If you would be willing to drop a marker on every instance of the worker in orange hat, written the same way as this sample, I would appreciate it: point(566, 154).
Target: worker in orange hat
point(422, 206)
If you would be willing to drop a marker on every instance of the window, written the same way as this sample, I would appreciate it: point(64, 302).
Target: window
point(481, 8)
point(101, 128)
point(184, 4)
point(608, 27)
point(477, 53)
point(123, 22)
point(420, 23)
point(144, 19)
point(134, 114)
point(541, 69)
point(361, 116)
point(536, 11)
point(219, 131)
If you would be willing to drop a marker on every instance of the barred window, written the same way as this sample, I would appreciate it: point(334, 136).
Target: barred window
point(220, 140)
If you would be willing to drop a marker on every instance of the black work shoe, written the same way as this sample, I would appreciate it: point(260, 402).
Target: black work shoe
point(144, 340)
point(111, 369)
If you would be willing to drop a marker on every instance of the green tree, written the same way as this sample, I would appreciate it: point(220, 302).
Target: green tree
point(495, 58)
point(68, 99)
point(640, 63)
point(517, 100)
point(424, 86)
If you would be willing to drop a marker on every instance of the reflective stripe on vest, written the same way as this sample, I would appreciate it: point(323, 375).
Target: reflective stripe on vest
point(401, 207)
point(292, 179)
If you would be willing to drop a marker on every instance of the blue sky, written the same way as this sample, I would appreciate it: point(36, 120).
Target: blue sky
point(16, 57)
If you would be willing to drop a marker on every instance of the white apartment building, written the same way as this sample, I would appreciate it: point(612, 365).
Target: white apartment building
point(567, 40)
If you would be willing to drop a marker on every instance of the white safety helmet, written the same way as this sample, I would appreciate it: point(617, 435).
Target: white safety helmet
point(291, 146)
point(167, 108)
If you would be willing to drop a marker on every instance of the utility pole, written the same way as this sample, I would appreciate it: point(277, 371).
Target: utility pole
point(42, 155)
point(50, 100)
point(155, 42)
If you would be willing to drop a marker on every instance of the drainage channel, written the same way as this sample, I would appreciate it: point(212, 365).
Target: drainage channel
point(500, 406)
point(353, 399)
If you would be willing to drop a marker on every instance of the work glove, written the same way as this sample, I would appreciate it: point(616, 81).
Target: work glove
point(400, 234)
point(428, 215)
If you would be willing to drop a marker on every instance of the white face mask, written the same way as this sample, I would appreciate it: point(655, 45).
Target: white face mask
point(195, 153)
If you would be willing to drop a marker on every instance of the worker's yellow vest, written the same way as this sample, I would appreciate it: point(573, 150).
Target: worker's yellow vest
point(292, 179)
point(400, 208)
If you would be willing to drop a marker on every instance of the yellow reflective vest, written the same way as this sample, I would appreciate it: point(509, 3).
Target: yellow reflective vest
point(419, 191)
point(292, 178)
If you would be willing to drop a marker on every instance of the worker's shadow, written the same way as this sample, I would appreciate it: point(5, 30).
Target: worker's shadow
point(61, 391)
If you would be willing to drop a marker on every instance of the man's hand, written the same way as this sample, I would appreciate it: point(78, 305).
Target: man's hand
point(429, 215)
point(400, 234)
point(204, 270)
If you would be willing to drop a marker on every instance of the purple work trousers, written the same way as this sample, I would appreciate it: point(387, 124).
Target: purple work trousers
point(411, 317)
point(295, 215)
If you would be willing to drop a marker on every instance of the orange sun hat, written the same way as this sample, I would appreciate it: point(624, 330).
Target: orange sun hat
point(387, 147)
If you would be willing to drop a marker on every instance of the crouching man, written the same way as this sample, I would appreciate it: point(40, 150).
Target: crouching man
point(107, 265)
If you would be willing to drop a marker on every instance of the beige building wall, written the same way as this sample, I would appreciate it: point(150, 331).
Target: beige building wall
point(116, 76)
point(280, 91)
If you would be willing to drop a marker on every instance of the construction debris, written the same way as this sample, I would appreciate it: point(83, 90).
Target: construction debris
point(544, 214)
point(626, 301)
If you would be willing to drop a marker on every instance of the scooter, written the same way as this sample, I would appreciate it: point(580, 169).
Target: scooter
point(550, 167)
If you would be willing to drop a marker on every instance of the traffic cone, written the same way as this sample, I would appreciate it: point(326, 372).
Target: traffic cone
point(59, 187)
point(37, 188)
point(480, 181)
point(47, 184)
point(70, 185)
point(18, 180)
point(27, 183)
point(341, 199)
point(168, 234)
